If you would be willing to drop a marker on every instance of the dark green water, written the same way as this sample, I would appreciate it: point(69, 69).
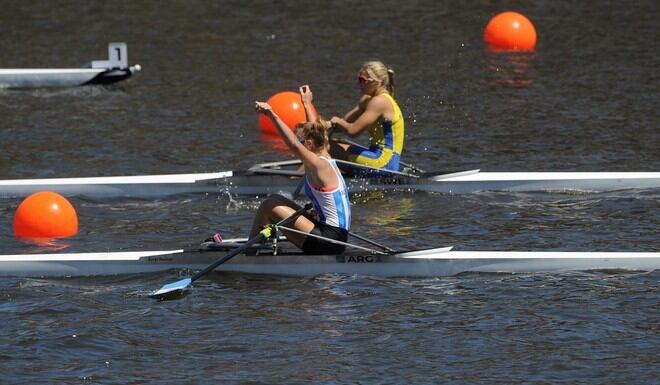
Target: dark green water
point(585, 101)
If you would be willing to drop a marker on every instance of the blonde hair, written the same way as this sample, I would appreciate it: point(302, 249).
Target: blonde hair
point(314, 131)
point(376, 69)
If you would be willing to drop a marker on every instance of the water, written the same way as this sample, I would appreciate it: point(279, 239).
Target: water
point(585, 101)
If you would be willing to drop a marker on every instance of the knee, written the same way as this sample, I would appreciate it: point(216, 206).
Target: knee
point(273, 201)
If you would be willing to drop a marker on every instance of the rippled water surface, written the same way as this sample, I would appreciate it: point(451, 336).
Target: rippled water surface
point(585, 101)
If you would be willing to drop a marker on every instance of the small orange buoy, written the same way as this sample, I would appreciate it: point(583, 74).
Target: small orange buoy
point(288, 106)
point(510, 31)
point(45, 214)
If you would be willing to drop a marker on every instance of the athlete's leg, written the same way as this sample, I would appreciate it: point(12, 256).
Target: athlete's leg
point(274, 209)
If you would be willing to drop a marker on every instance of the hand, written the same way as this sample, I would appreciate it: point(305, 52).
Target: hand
point(330, 128)
point(306, 94)
point(263, 108)
point(336, 124)
point(326, 124)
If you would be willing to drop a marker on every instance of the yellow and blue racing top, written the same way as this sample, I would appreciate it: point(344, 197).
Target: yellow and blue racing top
point(386, 142)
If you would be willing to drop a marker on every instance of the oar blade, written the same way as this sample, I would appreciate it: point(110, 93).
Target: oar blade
point(179, 287)
point(172, 289)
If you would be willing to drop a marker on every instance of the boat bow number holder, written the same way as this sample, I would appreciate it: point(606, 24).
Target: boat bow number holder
point(117, 57)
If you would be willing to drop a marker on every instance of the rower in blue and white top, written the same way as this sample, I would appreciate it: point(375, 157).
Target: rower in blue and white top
point(332, 205)
point(324, 185)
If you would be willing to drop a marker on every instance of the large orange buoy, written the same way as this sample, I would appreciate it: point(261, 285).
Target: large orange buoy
point(45, 214)
point(288, 106)
point(510, 31)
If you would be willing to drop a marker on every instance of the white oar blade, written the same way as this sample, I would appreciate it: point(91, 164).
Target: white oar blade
point(171, 288)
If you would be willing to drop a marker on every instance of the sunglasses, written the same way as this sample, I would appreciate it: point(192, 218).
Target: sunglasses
point(364, 80)
point(301, 139)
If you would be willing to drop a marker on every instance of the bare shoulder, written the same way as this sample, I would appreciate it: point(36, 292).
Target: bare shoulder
point(320, 171)
point(380, 103)
point(364, 101)
point(326, 174)
point(314, 163)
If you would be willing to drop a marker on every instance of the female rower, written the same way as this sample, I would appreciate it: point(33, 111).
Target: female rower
point(324, 186)
point(377, 112)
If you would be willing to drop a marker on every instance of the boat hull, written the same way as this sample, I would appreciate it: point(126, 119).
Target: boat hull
point(542, 181)
point(34, 78)
point(119, 186)
point(241, 183)
point(429, 263)
point(114, 69)
point(471, 183)
point(65, 77)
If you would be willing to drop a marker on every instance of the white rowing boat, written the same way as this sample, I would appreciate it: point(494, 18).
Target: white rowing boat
point(118, 186)
point(267, 178)
point(114, 69)
point(420, 263)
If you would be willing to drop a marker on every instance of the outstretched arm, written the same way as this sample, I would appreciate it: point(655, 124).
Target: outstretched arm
point(309, 159)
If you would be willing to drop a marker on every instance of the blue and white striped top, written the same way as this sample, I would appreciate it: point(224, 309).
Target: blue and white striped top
point(332, 205)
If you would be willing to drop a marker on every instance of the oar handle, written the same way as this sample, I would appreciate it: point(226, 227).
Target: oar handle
point(332, 129)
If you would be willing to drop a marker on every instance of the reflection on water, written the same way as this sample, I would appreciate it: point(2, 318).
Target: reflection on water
point(276, 144)
point(42, 245)
point(514, 69)
point(379, 209)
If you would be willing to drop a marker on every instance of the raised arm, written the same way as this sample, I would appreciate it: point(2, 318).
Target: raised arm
point(309, 159)
point(307, 96)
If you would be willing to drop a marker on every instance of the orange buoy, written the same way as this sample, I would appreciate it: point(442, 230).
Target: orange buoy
point(45, 214)
point(288, 106)
point(510, 31)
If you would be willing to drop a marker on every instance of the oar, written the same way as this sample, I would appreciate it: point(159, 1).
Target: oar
point(334, 241)
point(333, 128)
point(178, 287)
point(301, 184)
point(266, 168)
point(376, 170)
point(374, 243)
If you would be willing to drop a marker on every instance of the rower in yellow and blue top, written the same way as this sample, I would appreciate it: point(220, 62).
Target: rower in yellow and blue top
point(376, 113)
